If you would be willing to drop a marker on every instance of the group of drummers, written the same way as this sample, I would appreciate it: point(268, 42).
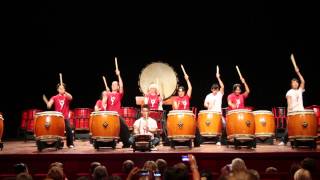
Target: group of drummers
point(180, 117)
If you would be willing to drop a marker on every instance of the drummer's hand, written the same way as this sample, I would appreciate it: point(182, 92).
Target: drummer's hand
point(297, 70)
point(217, 75)
point(243, 80)
point(117, 72)
point(186, 77)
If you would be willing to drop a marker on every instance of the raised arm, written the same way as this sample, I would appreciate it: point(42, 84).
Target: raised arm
point(246, 93)
point(189, 92)
point(302, 82)
point(220, 82)
point(120, 81)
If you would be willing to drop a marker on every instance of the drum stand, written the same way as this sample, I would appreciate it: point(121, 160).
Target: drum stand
point(1, 145)
point(54, 142)
point(142, 146)
point(185, 142)
point(264, 140)
point(104, 142)
point(249, 142)
point(309, 142)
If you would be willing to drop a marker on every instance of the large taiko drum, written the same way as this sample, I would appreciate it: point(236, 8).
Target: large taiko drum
point(49, 124)
point(130, 115)
point(316, 110)
point(302, 124)
point(181, 125)
point(209, 123)
point(264, 124)
point(81, 118)
point(105, 124)
point(240, 124)
point(27, 119)
point(1, 126)
point(160, 73)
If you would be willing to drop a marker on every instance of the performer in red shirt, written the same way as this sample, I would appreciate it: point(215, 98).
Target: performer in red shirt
point(182, 102)
point(111, 101)
point(236, 100)
point(61, 103)
point(153, 98)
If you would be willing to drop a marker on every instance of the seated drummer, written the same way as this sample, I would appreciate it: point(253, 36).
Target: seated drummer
point(236, 99)
point(153, 98)
point(113, 103)
point(145, 126)
point(213, 100)
point(182, 102)
point(294, 100)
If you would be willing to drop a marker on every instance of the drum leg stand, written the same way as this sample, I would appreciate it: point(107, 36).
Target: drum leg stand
point(1, 145)
point(50, 143)
point(102, 142)
point(143, 148)
point(311, 143)
point(174, 143)
point(265, 140)
point(237, 142)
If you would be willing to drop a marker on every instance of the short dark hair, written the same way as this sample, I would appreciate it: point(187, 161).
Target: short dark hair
point(295, 79)
point(215, 86)
point(235, 86)
point(182, 88)
point(145, 106)
point(20, 168)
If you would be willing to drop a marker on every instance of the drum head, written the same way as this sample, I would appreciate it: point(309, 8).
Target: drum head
point(165, 74)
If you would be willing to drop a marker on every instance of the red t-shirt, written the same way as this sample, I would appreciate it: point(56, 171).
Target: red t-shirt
point(61, 104)
point(238, 100)
point(183, 102)
point(101, 106)
point(114, 101)
point(153, 101)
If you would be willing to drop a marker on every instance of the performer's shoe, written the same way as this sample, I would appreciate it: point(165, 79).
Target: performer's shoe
point(282, 143)
point(126, 146)
point(153, 148)
point(218, 143)
point(71, 146)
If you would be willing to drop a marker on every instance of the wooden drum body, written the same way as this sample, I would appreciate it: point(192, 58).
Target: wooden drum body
point(49, 124)
point(181, 125)
point(105, 125)
point(302, 124)
point(264, 124)
point(209, 123)
point(240, 124)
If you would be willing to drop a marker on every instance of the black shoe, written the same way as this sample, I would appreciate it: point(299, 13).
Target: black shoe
point(126, 146)
point(196, 145)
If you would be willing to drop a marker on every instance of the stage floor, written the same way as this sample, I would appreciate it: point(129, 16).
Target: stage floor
point(84, 147)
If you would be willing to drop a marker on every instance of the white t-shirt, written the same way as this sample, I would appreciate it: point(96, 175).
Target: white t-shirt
point(214, 101)
point(142, 123)
point(296, 99)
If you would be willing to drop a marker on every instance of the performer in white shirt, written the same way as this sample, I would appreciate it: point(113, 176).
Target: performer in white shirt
point(145, 126)
point(294, 98)
point(213, 100)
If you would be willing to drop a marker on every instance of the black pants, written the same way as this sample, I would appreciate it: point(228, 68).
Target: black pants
point(285, 137)
point(68, 132)
point(124, 133)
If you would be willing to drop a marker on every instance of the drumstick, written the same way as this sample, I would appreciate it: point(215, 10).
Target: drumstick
point(116, 62)
point(184, 71)
point(294, 62)
point(45, 99)
point(239, 72)
point(61, 82)
point(105, 82)
point(217, 69)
